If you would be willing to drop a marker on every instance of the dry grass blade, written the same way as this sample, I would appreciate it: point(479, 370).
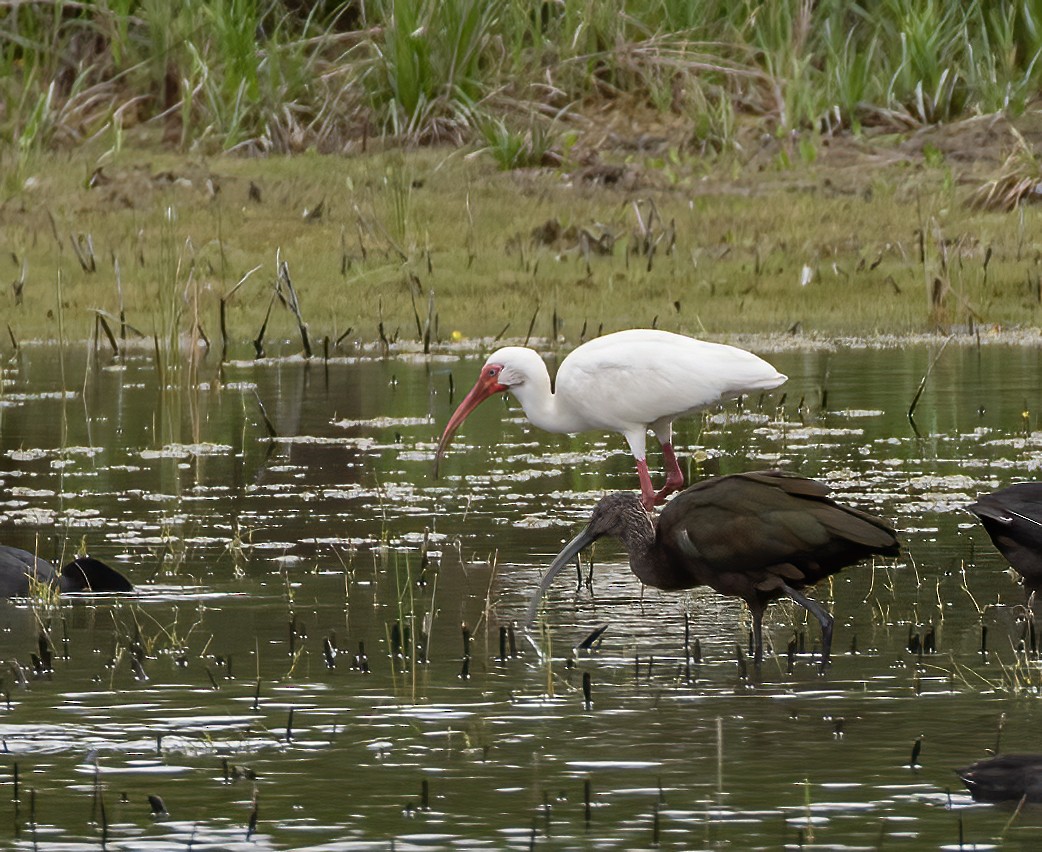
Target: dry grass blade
point(1018, 180)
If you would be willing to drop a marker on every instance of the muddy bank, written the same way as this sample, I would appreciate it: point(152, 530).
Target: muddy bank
point(872, 236)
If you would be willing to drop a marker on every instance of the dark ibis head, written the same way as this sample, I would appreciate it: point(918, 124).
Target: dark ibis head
point(616, 515)
point(86, 574)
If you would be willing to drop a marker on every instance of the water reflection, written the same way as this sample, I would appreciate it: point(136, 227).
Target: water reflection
point(293, 583)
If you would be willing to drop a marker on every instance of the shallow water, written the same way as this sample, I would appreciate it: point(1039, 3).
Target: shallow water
point(212, 690)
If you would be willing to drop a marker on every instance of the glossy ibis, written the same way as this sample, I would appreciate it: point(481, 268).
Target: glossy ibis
point(758, 536)
point(1012, 518)
point(1004, 777)
point(629, 382)
point(19, 569)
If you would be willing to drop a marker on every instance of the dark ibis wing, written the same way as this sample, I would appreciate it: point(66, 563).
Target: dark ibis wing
point(770, 523)
point(1004, 777)
point(17, 567)
point(1012, 518)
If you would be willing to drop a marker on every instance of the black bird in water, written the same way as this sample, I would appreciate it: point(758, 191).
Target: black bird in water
point(19, 568)
point(1005, 777)
point(1013, 518)
point(758, 536)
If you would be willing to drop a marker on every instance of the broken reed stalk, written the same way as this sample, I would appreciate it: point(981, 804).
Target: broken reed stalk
point(414, 286)
point(104, 822)
point(719, 754)
point(465, 671)
point(917, 748)
point(291, 301)
point(926, 376)
point(252, 826)
point(224, 311)
point(531, 325)
point(258, 343)
point(264, 416)
point(119, 296)
point(99, 320)
point(429, 324)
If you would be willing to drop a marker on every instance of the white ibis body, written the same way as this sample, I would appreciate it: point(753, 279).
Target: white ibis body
point(628, 382)
point(757, 536)
point(1012, 518)
point(19, 569)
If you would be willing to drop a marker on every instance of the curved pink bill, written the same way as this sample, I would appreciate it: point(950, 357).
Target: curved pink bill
point(486, 385)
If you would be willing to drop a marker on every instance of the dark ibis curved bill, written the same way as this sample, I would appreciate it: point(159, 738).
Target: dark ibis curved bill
point(486, 385)
point(561, 561)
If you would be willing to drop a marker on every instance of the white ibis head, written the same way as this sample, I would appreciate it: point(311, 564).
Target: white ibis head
point(504, 369)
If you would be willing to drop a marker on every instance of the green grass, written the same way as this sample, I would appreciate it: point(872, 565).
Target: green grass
point(560, 119)
point(397, 227)
point(266, 77)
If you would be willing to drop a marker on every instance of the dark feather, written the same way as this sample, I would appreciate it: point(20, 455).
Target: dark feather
point(1012, 518)
point(1005, 777)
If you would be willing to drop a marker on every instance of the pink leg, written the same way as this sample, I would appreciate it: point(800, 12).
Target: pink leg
point(674, 476)
point(647, 490)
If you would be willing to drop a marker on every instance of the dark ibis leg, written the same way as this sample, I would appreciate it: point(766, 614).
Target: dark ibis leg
point(674, 476)
point(824, 619)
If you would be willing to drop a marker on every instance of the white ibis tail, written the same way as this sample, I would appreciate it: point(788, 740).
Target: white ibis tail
point(628, 382)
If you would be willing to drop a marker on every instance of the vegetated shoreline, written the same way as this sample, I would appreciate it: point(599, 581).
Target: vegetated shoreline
point(879, 238)
point(361, 349)
point(821, 169)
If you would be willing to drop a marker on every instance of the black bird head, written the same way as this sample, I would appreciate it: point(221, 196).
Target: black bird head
point(615, 514)
point(86, 574)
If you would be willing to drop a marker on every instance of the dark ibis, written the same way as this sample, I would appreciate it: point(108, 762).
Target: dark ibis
point(758, 536)
point(20, 568)
point(1012, 517)
point(1004, 777)
point(628, 382)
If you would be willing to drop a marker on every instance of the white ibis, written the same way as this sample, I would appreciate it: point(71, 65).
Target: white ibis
point(1006, 777)
point(19, 569)
point(629, 382)
point(758, 536)
point(1012, 518)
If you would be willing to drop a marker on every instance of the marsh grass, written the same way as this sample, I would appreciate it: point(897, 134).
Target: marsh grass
point(279, 77)
point(432, 221)
point(744, 89)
